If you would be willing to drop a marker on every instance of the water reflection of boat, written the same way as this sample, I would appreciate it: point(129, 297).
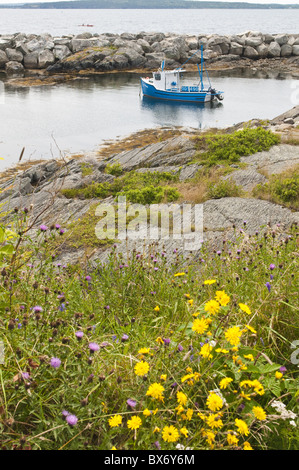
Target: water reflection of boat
point(168, 85)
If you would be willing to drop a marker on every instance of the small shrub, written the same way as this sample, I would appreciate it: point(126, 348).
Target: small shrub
point(115, 169)
point(281, 189)
point(228, 148)
point(225, 188)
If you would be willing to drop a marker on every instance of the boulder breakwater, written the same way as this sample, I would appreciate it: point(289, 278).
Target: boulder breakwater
point(20, 52)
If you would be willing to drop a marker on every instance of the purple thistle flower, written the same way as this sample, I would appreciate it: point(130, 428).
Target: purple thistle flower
point(272, 266)
point(79, 334)
point(282, 369)
point(131, 403)
point(57, 226)
point(93, 347)
point(55, 362)
point(61, 231)
point(268, 285)
point(124, 337)
point(156, 269)
point(65, 414)
point(166, 341)
point(88, 278)
point(43, 228)
point(37, 309)
point(25, 375)
point(71, 420)
point(180, 348)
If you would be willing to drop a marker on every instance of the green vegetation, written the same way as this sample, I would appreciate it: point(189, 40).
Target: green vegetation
point(224, 188)
point(145, 352)
point(281, 189)
point(86, 169)
point(138, 187)
point(215, 149)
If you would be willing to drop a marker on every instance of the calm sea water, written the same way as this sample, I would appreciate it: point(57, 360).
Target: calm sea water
point(60, 22)
point(79, 116)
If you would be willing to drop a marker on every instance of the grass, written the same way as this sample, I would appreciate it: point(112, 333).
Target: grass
point(222, 148)
point(141, 188)
point(281, 189)
point(158, 338)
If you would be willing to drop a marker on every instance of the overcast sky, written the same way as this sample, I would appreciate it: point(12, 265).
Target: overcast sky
point(284, 2)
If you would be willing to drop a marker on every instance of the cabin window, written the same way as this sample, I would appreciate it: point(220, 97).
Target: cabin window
point(157, 76)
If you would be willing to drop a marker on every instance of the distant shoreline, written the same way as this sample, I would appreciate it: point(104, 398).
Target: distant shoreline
point(154, 5)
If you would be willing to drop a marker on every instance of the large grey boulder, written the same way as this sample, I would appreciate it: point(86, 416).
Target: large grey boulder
point(274, 49)
point(295, 49)
point(45, 58)
point(14, 68)
point(250, 52)
point(14, 55)
point(3, 59)
point(61, 52)
point(262, 50)
point(4, 44)
point(31, 60)
point(286, 50)
point(282, 39)
point(81, 44)
point(236, 48)
point(145, 45)
point(254, 41)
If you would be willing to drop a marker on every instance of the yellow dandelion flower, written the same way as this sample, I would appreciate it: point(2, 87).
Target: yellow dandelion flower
point(278, 374)
point(205, 351)
point(232, 439)
point(184, 431)
point(159, 340)
point(179, 409)
point(208, 282)
point(210, 437)
point(222, 298)
point(212, 307)
point(157, 308)
point(233, 335)
point(155, 390)
point(170, 434)
point(247, 446)
point(134, 423)
point(190, 302)
point(115, 421)
point(249, 356)
point(163, 377)
point(258, 388)
point(200, 325)
point(244, 395)
point(189, 414)
point(214, 421)
point(214, 402)
point(242, 427)
point(181, 398)
point(144, 351)
point(146, 412)
point(259, 413)
point(223, 351)
point(245, 308)
point(224, 382)
point(141, 368)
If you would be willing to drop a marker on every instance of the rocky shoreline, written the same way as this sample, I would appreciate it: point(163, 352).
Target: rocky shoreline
point(39, 187)
point(22, 54)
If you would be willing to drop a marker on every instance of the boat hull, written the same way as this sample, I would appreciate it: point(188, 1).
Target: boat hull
point(171, 95)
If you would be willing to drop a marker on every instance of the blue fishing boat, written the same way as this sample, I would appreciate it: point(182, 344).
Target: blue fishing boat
point(170, 85)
